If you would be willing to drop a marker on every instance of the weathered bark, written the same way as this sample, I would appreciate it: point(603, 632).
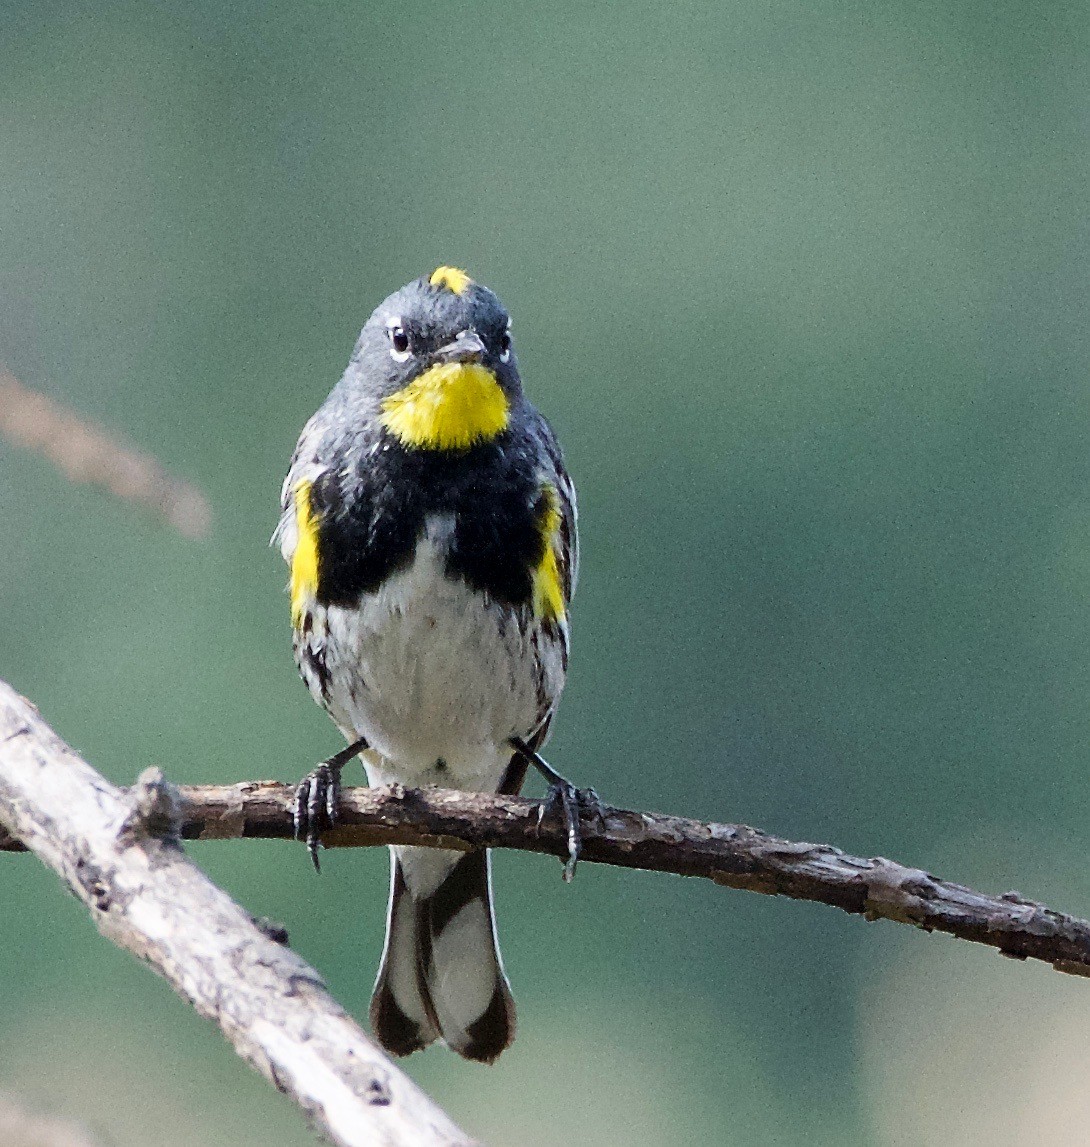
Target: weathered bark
point(733, 855)
point(42, 804)
point(117, 853)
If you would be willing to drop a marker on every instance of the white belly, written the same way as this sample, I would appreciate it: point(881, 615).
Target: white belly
point(435, 677)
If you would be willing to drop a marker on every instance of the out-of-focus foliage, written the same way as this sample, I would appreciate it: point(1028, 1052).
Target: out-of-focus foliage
point(803, 288)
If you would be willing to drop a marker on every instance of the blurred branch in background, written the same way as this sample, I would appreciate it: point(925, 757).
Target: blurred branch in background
point(22, 1128)
point(732, 855)
point(84, 452)
point(118, 853)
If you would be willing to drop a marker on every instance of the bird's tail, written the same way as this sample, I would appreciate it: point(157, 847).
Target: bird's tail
point(441, 975)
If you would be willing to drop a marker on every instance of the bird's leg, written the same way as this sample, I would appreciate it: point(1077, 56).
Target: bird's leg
point(315, 806)
point(562, 795)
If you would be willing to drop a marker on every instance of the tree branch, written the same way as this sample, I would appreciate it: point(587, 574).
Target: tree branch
point(732, 855)
point(83, 451)
point(22, 1128)
point(117, 853)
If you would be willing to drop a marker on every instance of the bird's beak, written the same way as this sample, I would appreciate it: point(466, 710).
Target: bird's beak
point(467, 347)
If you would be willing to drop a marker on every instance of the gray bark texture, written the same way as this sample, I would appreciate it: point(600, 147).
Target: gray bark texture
point(731, 855)
point(117, 852)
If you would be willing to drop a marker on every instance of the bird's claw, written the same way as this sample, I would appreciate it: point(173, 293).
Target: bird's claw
point(593, 803)
point(315, 807)
point(570, 802)
point(317, 797)
point(562, 795)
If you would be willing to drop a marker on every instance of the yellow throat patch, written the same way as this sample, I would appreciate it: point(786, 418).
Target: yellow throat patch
point(548, 592)
point(451, 278)
point(304, 559)
point(449, 407)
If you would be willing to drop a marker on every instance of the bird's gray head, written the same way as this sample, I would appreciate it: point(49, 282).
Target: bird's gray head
point(437, 358)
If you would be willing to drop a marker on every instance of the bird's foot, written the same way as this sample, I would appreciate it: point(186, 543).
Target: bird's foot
point(316, 798)
point(315, 807)
point(563, 798)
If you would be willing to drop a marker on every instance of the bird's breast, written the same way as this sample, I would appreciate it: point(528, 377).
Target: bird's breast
point(435, 673)
point(480, 512)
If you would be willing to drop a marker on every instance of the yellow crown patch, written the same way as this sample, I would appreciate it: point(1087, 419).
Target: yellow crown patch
point(451, 278)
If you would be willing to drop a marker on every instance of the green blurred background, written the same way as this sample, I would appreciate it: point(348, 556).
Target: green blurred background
point(803, 288)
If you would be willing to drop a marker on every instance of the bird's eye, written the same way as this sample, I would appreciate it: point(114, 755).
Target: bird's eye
point(505, 346)
point(399, 343)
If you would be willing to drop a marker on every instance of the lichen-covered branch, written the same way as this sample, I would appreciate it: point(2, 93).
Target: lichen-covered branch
point(732, 855)
point(119, 853)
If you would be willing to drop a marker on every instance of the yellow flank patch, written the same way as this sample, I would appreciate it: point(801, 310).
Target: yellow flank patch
point(304, 561)
point(548, 592)
point(451, 278)
point(449, 407)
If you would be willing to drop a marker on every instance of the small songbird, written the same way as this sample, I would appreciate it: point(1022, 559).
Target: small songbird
point(430, 528)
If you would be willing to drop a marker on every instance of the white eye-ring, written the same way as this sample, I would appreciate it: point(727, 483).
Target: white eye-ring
point(505, 345)
point(400, 349)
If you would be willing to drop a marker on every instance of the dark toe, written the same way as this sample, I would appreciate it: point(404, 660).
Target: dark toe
point(315, 808)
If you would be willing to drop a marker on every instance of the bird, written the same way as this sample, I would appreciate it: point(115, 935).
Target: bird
point(430, 529)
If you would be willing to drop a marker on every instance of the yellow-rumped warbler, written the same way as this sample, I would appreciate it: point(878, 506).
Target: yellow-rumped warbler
point(430, 528)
